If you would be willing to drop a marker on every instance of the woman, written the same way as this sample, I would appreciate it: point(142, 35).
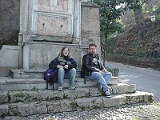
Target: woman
point(66, 68)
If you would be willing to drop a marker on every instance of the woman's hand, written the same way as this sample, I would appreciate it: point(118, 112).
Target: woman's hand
point(59, 66)
point(66, 67)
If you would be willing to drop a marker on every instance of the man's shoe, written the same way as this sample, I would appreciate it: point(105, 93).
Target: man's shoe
point(108, 94)
point(72, 88)
point(99, 86)
point(60, 88)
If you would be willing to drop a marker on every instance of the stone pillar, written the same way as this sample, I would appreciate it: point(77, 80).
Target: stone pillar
point(26, 58)
point(77, 22)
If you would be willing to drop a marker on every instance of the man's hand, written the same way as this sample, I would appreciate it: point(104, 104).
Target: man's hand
point(104, 70)
point(98, 70)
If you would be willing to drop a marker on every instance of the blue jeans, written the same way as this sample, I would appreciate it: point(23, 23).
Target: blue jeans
point(71, 74)
point(103, 79)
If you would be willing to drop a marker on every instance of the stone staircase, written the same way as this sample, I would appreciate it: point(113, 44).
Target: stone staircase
point(26, 95)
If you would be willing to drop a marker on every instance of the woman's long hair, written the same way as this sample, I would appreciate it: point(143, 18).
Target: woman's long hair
point(62, 55)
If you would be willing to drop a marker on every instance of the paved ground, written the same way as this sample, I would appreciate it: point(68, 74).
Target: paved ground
point(134, 112)
point(147, 80)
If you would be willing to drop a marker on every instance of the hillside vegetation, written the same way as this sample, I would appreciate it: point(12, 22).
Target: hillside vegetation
point(137, 46)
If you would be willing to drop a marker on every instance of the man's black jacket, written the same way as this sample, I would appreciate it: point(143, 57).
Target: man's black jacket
point(89, 66)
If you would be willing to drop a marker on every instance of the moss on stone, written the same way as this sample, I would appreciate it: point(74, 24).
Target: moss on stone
point(73, 105)
point(35, 89)
point(93, 101)
point(151, 98)
point(14, 109)
point(96, 107)
point(27, 97)
point(141, 100)
point(53, 98)
point(82, 108)
point(158, 103)
point(9, 96)
point(20, 95)
point(134, 118)
point(128, 98)
point(64, 96)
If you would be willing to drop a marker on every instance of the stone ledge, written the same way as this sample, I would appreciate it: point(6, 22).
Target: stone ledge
point(21, 84)
point(31, 74)
point(80, 104)
point(43, 95)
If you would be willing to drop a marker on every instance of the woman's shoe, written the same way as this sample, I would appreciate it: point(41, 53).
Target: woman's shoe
point(60, 88)
point(72, 88)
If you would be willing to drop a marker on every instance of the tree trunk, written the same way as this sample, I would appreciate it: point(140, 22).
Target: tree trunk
point(138, 17)
point(139, 23)
point(104, 58)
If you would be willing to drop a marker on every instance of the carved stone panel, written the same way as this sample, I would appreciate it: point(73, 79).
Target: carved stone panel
point(59, 6)
point(52, 26)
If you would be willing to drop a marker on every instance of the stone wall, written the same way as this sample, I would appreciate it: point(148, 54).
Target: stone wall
point(9, 21)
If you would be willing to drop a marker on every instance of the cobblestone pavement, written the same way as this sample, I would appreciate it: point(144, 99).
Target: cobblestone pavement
point(127, 112)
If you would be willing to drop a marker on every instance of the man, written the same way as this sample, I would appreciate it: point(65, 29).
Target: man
point(92, 69)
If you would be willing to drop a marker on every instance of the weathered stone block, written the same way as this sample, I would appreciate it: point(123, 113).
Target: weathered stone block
point(139, 97)
point(23, 96)
point(61, 106)
point(50, 95)
point(78, 93)
point(3, 97)
point(89, 103)
point(113, 101)
point(123, 88)
point(113, 81)
point(67, 105)
point(53, 106)
point(3, 110)
point(22, 109)
point(94, 91)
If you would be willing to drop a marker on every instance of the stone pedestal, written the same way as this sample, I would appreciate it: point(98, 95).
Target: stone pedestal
point(47, 26)
point(37, 55)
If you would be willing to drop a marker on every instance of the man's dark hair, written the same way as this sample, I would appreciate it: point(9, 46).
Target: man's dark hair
point(92, 44)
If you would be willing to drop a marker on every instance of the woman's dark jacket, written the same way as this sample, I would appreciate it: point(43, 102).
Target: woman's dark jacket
point(89, 65)
point(63, 61)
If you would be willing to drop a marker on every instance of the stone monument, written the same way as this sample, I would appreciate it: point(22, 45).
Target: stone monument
point(48, 25)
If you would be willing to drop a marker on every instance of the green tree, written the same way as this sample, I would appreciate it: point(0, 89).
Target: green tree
point(110, 11)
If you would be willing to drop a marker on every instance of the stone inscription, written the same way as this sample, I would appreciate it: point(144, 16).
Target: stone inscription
point(48, 25)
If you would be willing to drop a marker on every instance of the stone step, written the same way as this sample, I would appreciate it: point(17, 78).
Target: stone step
point(7, 83)
point(10, 96)
point(70, 104)
point(31, 74)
